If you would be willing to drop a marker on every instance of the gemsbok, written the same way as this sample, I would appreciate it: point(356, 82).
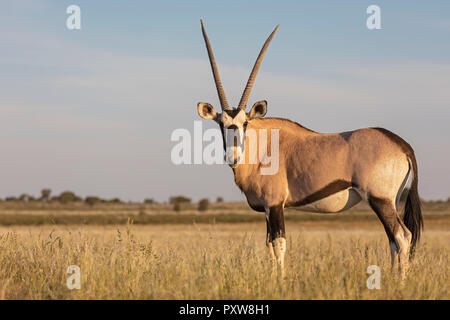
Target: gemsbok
point(320, 172)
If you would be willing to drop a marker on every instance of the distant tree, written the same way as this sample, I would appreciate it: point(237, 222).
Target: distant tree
point(179, 199)
point(115, 200)
point(203, 205)
point(448, 199)
point(219, 199)
point(45, 194)
point(91, 200)
point(10, 199)
point(149, 201)
point(24, 197)
point(68, 196)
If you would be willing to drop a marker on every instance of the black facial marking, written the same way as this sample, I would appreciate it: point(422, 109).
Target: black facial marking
point(223, 135)
point(233, 112)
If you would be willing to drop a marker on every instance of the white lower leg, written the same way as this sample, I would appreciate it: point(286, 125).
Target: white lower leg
point(403, 243)
point(279, 247)
point(272, 257)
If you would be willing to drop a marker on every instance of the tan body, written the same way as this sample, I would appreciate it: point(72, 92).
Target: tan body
point(311, 161)
point(320, 172)
point(329, 173)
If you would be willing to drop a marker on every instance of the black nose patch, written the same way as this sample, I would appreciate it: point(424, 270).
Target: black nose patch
point(232, 127)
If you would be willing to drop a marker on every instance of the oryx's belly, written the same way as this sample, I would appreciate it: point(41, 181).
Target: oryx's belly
point(336, 202)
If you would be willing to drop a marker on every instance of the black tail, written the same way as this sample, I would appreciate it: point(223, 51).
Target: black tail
point(413, 213)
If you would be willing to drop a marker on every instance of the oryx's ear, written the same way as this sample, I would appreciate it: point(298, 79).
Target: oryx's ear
point(206, 111)
point(258, 110)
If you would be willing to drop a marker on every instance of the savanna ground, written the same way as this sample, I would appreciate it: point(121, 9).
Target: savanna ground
point(132, 251)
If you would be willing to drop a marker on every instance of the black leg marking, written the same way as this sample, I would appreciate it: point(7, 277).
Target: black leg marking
point(275, 225)
point(268, 233)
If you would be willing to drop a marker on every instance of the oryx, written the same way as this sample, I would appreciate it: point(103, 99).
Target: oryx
point(321, 172)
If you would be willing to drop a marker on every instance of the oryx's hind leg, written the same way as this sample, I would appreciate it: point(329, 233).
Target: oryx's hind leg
point(399, 236)
point(277, 235)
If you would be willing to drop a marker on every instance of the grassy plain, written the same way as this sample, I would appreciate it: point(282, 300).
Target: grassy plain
point(188, 256)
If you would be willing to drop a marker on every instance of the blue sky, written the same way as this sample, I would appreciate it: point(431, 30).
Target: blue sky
point(92, 110)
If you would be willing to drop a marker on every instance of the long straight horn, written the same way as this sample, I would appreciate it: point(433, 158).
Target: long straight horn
point(251, 79)
point(220, 91)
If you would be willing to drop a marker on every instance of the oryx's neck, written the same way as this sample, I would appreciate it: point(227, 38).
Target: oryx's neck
point(289, 133)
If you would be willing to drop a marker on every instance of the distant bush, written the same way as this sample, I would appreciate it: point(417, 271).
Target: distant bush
point(11, 199)
point(24, 197)
point(203, 205)
point(91, 200)
point(149, 201)
point(219, 199)
point(67, 197)
point(178, 202)
point(179, 199)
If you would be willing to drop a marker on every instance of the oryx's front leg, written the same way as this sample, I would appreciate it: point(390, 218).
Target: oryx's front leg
point(276, 235)
point(269, 244)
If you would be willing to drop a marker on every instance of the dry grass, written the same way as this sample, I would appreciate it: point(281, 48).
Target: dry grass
point(220, 261)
